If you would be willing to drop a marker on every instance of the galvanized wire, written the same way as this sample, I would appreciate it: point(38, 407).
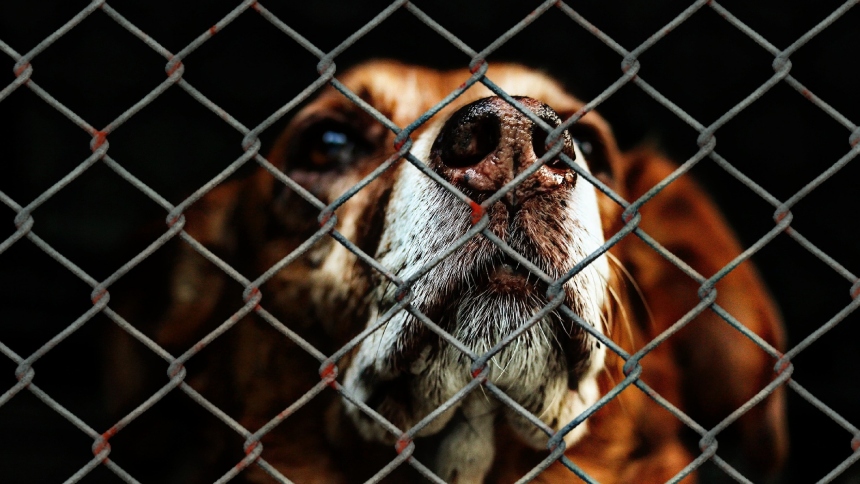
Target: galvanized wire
point(24, 221)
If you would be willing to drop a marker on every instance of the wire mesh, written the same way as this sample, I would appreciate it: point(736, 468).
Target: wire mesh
point(26, 63)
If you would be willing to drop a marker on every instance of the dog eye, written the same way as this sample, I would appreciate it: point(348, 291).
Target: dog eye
point(334, 148)
point(330, 145)
point(589, 141)
point(584, 146)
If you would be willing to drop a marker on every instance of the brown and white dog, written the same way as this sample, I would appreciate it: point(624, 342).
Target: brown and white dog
point(479, 294)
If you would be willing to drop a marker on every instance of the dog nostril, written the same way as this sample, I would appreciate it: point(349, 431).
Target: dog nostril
point(556, 164)
point(539, 146)
point(539, 141)
point(465, 142)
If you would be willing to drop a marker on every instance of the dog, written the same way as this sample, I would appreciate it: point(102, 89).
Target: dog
point(475, 290)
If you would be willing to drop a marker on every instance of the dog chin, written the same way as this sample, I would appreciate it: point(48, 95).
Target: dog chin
point(549, 369)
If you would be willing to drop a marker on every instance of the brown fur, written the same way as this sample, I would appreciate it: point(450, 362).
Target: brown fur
point(708, 369)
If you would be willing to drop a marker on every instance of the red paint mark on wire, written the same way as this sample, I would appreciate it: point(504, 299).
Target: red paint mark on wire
point(329, 374)
point(477, 212)
point(99, 139)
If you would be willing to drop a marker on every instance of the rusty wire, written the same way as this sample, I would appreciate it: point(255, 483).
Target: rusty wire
point(25, 64)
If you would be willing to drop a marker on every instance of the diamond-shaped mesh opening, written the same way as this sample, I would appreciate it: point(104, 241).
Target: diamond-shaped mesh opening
point(769, 130)
point(825, 228)
point(48, 161)
point(840, 401)
point(830, 296)
point(99, 210)
point(256, 59)
point(831, 440)
point(581, 62)
point(207, 448)
point(73, 372)
point(143, 146)
point(133, 370)
point(122, 69)
point(30, 427)
point(31, 319)
point(718, 88)
point(824, 51)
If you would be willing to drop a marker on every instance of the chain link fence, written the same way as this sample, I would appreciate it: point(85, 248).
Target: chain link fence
point(25, 215)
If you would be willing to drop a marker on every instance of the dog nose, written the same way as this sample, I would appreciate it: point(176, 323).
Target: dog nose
point(487, 143)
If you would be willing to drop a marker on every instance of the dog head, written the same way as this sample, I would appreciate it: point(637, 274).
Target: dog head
point(489, 263)
point(412, 225)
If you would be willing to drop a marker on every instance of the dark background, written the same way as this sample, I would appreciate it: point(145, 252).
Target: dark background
point(250, 69)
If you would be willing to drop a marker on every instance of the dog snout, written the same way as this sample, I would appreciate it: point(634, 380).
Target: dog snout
point(486, 144)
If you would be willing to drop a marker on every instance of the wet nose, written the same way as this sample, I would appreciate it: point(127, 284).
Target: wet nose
point(487, 143)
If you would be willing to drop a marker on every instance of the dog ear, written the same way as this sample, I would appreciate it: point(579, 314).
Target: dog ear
point(720, 368)
point(221, 220)
point(195, 284)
